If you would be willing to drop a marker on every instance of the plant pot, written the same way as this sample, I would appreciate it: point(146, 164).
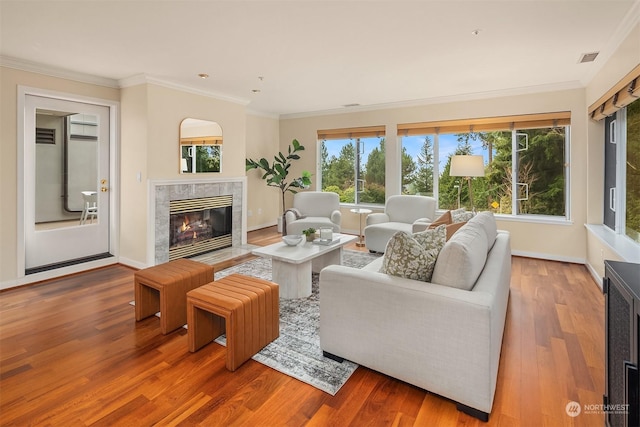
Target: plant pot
point(310, 237)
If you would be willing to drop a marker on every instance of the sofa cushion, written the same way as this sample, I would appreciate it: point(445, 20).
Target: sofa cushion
point(461, 215)
point(432, 238)
point(488, 223)
point(462, 258)
point(446, 219)
point(443, 219)
point(413, 256)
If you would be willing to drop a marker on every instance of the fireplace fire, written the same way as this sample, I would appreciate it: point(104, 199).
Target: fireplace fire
point(199, 225)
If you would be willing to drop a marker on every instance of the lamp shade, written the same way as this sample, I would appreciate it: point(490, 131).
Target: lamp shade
point(466, 166)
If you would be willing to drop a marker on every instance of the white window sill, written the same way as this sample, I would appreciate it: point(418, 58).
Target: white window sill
point(535, 219)
point(626, 248)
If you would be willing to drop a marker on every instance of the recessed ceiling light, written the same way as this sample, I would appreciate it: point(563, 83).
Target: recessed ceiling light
point(203, 75)
point(476, 32)
point(255, 90)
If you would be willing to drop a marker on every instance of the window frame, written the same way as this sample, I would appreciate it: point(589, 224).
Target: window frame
point(355, 134)
point(514, 215)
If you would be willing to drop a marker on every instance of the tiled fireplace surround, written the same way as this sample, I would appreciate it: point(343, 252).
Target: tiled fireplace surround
point(161, 192)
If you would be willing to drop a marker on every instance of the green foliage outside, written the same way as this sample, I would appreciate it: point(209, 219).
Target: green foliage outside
point(633, 172)
point(540, 156)
point(540, 171)
point(339, 175)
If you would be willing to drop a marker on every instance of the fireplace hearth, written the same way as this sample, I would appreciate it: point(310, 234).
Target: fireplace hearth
point(199, 225)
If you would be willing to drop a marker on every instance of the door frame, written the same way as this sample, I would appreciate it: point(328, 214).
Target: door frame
point(114, 190)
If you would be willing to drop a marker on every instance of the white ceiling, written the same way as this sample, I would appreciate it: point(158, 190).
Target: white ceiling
point(321, 55)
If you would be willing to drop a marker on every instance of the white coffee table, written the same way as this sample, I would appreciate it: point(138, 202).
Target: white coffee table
point(292, 265)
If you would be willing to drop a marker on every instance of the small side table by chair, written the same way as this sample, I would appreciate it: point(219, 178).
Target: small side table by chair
point(361, 211)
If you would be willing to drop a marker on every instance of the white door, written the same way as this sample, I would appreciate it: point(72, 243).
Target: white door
point(66, 182)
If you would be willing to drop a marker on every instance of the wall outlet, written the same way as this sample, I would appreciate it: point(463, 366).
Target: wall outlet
point(259, 211)
point(249, 212)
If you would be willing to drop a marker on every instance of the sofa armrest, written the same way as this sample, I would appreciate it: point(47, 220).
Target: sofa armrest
point(420, 224)
point(377, 218)
point(289, 217)
point(336, 217)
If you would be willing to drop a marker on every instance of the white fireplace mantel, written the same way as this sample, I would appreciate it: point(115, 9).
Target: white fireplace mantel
point(162, 191)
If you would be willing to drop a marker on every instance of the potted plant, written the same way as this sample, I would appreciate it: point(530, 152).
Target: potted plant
point(310, 233)
point(276, 173)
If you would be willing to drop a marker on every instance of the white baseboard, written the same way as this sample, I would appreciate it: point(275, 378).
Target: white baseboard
point(58, 272)
point(133, 264)
point(259, 226)
point(595, 275)
point(549, 257)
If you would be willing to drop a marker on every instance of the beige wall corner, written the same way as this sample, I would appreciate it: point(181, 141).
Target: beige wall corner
point(262, 141)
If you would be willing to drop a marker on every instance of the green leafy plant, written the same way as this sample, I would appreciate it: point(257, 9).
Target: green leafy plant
point(310, 234)
point(309, 231)
point(276, 173)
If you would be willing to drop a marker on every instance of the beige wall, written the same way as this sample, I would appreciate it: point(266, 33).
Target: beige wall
point(150, 117)
point(134, 145)
point(624, 59)
point(556, 241)
point(10, 79)
point(150, 147)
point(263, 201)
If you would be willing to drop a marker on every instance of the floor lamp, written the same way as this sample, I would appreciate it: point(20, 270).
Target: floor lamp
point(467, 166)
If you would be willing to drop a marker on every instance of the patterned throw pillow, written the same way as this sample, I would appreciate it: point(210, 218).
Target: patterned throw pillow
point(413, 256)
point(461, 215)
point(432, 238)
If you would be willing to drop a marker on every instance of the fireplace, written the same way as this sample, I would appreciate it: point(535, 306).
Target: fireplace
point(199, 225)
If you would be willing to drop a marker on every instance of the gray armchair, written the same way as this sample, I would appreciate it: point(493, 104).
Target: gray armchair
point(313, 209)
point(401, 213)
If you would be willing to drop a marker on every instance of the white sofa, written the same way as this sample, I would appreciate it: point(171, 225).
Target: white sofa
point(401, 213)
point(435, 335)
point(313, 209)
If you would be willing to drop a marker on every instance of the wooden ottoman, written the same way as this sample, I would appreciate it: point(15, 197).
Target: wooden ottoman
point(164, 288)
point(247, 306)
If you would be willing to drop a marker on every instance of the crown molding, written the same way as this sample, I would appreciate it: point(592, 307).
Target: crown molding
point(34, 67)
point(629, 22)
point(555, 87)
point(148, 79)
point(264, 114)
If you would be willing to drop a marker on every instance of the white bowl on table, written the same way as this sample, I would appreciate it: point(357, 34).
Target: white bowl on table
point(292, 239)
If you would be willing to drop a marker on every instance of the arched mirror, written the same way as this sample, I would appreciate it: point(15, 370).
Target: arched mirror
point(200, 146)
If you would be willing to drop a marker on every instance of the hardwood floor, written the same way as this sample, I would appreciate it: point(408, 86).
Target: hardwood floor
point(72, 354)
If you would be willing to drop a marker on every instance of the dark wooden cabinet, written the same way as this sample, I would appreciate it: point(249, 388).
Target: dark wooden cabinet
point(621, 286)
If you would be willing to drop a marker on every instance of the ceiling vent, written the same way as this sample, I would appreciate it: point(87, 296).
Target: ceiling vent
point(588, 57)
point(350, 105)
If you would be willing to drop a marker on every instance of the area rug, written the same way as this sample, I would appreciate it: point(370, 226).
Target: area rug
point(296, 352)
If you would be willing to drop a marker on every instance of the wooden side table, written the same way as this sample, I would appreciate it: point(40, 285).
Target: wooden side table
point(361, 212)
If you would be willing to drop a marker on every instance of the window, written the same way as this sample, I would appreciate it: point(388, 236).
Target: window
point(622, 171)
point(417, 165)
point(352, 164)
point(524, 156)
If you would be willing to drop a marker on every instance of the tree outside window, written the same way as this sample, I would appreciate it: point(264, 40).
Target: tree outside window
point(354, 168)
point(539, 184)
